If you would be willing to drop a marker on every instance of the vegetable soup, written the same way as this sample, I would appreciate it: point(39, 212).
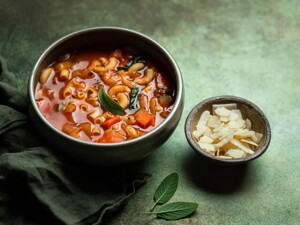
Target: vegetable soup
point(106, 95)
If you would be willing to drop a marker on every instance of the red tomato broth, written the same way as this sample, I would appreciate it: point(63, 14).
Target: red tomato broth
point(52, 103)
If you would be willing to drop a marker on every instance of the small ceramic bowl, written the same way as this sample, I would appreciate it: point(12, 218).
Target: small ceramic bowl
point(248, 109)
point(108, 154)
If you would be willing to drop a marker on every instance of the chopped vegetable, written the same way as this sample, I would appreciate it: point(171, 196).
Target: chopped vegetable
point(111, 136)
point(108, 123)
point(164, 100)
point(143, 118)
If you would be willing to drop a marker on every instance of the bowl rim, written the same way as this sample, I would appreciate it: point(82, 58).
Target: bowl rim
point(178, 82)
point(234, 99)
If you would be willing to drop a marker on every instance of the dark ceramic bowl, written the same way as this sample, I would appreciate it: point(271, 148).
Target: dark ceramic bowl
point(249, 110)
point(108, 153)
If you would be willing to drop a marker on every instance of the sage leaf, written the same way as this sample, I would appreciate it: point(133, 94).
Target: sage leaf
point(108, 104)
point(176, 210)
point(133, 97)
point(166, 189)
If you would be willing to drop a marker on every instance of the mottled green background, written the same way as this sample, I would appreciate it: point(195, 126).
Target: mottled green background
point(246, 48)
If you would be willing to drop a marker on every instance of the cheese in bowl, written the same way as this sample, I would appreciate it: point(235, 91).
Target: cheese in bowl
point(225, 133)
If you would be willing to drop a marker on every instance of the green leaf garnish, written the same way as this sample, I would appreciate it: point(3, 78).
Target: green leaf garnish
point(131, 62)
point(133, 98)
point(108, 104)
point(166, 189)
point(175, 210)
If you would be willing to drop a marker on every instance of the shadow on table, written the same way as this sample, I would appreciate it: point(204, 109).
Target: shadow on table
point(212, 177)
point(109, 218)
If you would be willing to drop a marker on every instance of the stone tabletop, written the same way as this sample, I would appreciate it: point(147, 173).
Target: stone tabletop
point(245, 48)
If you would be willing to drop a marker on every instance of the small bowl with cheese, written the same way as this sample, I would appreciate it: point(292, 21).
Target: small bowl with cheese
point(228, 130)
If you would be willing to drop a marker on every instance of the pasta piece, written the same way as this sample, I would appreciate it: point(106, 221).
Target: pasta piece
point(64, 75)
point(64, 65)
point(102, 118)
point(123, 100)
point(86, 128)
point(96, 131)
point(130, 131)
point(146, 79)
point(124, 76)
point(136, 67)
point(143, 101)
point(94, 114)
point(67, 91)
point(45, 75)
point(80, 94)
point(113, 91)
point(77, 73)
point(102, 61)
point(84, 107)
point(112, 63)
point(129, 119)
point(148, 88)
point(69, 108)
point(153, 104)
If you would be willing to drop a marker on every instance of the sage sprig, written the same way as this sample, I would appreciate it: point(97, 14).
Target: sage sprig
point(174, 210)
point(166, 189)
point(109, 104)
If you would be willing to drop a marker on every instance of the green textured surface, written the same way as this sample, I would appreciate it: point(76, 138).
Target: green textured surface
point(246, 48)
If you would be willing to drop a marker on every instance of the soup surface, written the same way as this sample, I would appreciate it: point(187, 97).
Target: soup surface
point(68, 95)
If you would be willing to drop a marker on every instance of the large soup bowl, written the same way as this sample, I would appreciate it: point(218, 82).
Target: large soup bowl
point(107, 154)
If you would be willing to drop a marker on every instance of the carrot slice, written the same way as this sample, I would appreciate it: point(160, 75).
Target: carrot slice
point(108, 123)
point(143, 118)
point(111, 137)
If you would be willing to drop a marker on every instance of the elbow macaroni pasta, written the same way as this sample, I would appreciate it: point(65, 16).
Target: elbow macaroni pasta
point(67, 95)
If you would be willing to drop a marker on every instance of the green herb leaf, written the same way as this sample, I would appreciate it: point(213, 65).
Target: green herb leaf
point(133, 98)
point(175, 210)
point(131, 62)
point(109, 104)
point(166, 189)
